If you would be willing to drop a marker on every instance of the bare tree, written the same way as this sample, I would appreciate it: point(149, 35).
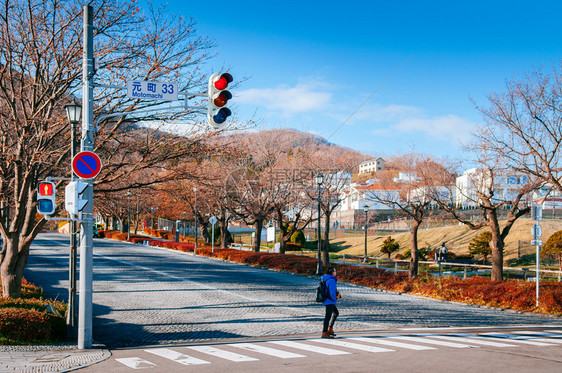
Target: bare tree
point(524, 126)
point(40, 54)
point(409, 195)
point(336, 166)
point(499, 193)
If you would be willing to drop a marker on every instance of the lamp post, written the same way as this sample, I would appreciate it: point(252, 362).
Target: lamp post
point(319, 179)
point(195, 191)
point(366, 209)
point(152, 218)
point(74, 114)
point(128, 215)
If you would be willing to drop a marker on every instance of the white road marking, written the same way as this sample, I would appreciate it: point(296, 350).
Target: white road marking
point(176, 356)
point(554, 338)
point(431, 341)
point(470, 339)
point(516, 338)
point(383, 341)
point(135, 362)
point(266, 350)
point(311, 348)
point(232, 356)
point(356, 346)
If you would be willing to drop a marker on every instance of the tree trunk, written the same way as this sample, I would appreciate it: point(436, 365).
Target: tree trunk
point(326, 241)
point(224, 232)
point(204, 230)
point(13, 263)
point(496, 244)
point(414, 249)
point(258, 225)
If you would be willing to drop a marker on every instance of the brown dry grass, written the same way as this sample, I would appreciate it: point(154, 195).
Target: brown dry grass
point(456, 237)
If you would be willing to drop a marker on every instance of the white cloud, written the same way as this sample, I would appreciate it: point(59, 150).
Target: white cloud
point(290, 100)
point(445, 127)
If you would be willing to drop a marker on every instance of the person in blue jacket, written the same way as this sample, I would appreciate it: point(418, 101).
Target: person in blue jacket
point(332, 297)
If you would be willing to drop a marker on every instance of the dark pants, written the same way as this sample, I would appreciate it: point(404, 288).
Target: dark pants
point(332, 314)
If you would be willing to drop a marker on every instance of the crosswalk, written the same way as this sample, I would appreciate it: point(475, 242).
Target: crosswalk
point(298, 349)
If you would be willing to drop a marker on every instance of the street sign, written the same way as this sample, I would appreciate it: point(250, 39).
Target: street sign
point(536, 242)
point(86, 165)
point(152, 90)
point(536, 231)
point(213, 220)
point(536, 212)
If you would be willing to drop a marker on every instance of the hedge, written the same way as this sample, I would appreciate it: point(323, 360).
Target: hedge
point(31, 319)
point(21, 325)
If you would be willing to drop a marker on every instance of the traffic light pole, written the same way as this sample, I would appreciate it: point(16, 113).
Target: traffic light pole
point(85, 316)
point(71, 317)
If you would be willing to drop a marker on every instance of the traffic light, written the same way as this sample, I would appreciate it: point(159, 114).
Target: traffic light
point(72, 201)
point(46, 198)
point(218, 98)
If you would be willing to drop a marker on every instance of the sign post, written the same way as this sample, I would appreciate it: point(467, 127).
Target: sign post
point(537, 233)
point(86, 216)
point(213, 221)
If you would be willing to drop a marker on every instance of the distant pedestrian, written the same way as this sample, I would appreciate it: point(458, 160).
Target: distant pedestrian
point(443, 252)
point(332, 296)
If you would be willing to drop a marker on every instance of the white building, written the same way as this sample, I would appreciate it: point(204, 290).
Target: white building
point(372, 165)
point(357, 196)
point(444, 194)
point(406, 177)
point(505, 186)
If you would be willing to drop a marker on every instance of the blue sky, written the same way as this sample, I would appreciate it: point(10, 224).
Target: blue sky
point(310, 65)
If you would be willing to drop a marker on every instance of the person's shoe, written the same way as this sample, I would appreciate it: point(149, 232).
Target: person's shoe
point(327, 335)
point(331, 332)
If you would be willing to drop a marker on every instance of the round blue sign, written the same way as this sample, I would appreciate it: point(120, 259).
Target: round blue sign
point(86, 165)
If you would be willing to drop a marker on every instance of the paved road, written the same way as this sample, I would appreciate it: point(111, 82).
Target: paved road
point(152, 296)
point(510, 350)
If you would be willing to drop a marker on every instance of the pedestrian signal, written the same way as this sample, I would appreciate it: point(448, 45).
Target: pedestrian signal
point(46, 198)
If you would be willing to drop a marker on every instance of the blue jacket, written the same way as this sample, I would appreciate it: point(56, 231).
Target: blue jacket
point(332, 290)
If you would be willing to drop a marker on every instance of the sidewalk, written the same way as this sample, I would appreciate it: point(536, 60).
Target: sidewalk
point(59, 358)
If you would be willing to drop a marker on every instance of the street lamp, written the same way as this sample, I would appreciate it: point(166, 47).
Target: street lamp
point(74, 114)
point(128, 215)
point(319, 179)
point(195, 191)
point(366, 209)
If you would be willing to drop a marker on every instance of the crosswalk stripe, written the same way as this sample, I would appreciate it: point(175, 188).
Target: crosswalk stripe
point(135, 362)
point(469, 339)
point(356, 346)
point(383, 341)
point(431, 341)
point(552, 337)
point(516, 338)
point(210, 350)
point(266, 350)
point(311, 348)
point(176, 356)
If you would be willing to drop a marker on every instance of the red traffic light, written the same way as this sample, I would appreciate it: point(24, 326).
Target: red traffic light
point(222, 82)
point(46, 189)
point(222, 98)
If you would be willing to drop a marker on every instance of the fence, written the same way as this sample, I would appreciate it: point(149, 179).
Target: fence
point(437, 268)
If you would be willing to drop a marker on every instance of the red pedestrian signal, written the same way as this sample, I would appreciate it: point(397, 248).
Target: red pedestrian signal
point(218, 98)
point(46, 193)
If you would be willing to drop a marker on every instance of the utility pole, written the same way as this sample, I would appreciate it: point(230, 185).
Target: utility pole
point(87, 214)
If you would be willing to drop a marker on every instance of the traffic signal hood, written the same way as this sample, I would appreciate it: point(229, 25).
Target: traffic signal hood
point(46, 198)
point(72, 201)
point(218, 98)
